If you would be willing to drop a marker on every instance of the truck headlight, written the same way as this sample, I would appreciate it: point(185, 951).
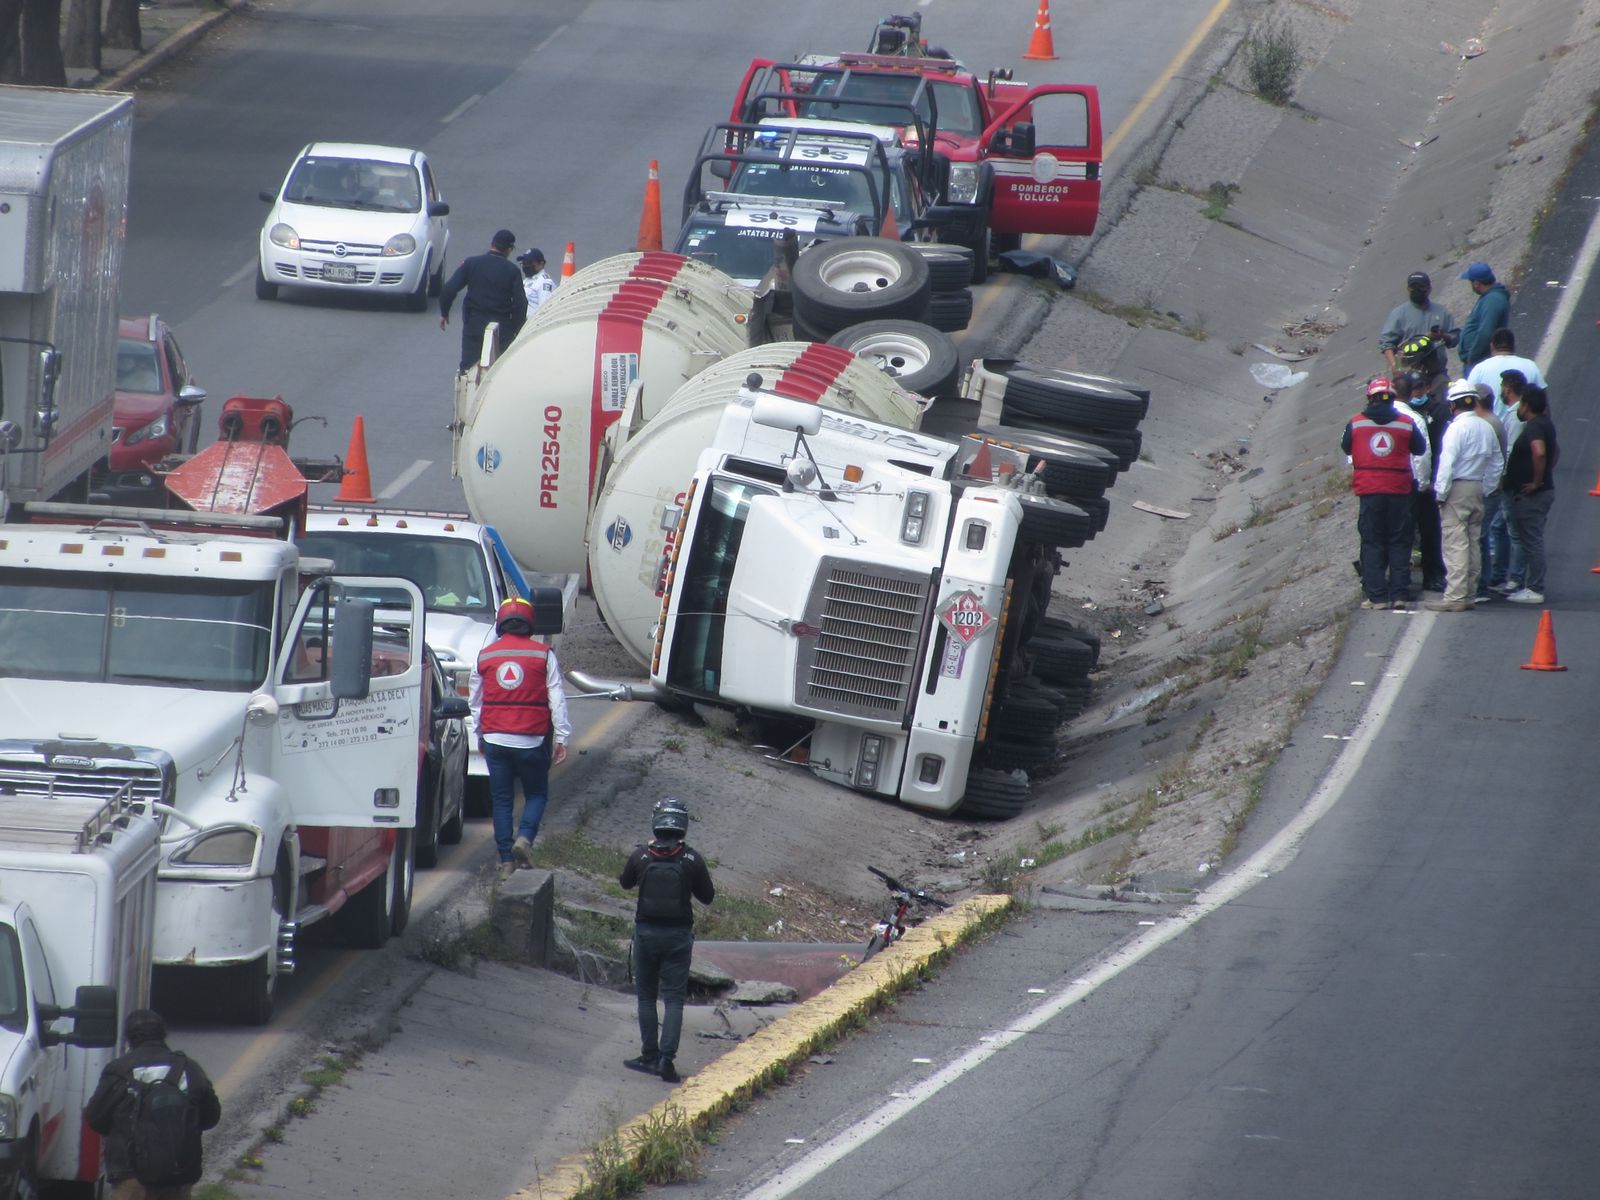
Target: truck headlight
point(284, 235)
point(914, 518)
point(871, 757)
point(400, 244)
point(221, 848)
point(963, 187)
point(156, 428)
point(8, 1118)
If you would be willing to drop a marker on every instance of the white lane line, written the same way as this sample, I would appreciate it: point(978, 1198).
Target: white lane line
point(1562, 317)
point(554, 34)
point(460, 108)
point(241, 274)
point(405, 479)
point(1270, 859)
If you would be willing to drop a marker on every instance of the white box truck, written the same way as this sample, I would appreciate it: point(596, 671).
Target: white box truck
point(63, 215)
point(77, 900)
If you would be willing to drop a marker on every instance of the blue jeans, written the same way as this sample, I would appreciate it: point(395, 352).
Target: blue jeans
point(1528, 515)
point(661, 956)
point(507, 765)
point(1504, 561)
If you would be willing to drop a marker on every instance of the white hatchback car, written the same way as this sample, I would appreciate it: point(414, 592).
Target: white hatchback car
point(356, 217)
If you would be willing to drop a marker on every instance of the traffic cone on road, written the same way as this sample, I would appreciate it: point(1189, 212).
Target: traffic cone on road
point(650, 216)
point(569, 262)
point(891, 227)
point(356, 486)
point(1595, 490)
point(1042, 46)
point(1544, 647)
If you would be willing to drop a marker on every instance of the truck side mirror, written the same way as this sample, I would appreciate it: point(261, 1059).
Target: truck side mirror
point(721, 168)
point(1017, 142)
point(93, 1015)
point(547, 612)
point(352, 650)
point(452, 708)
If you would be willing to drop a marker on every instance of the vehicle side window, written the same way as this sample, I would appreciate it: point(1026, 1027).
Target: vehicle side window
point(1060, 119)
point(429, 186)
point(498, 576)
point(312, 658)
point(176, 367)
point(44, 988)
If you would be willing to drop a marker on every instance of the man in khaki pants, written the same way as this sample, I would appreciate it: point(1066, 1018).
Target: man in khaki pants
point(1470, 462)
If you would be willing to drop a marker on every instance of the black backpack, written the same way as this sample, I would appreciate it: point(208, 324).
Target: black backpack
point(663, 890)
point(164, 1133)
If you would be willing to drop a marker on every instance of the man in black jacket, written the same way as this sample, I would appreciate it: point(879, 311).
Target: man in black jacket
point(667, 873)
point(494, 293)
point(114, 1107)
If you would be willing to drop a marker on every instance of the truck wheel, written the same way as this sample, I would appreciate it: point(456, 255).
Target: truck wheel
point(1024, 717)
point(950, 312)
point(1002, 754)
point(404, 869)
point(1062, 627)
point(994, 795)
point(1123, 444)
point(1054, 522)
point(255, 984)
point(1035, 394)
point(264, 290)
point(916, 356)
point(949, 264)
point(842, 283)
point(1072, 472)
point(367, 918)
point(1058, 658)
point(427, 833)
point(982, 252)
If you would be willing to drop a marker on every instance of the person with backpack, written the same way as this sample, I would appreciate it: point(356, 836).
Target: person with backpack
point(667, 873)
point(151, 1106)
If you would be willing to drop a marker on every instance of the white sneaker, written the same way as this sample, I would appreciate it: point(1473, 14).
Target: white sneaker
point(1525, 596)
point(1506, 588)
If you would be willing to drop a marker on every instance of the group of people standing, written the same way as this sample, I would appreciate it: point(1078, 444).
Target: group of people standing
point(1463, 469)
point(497, 290)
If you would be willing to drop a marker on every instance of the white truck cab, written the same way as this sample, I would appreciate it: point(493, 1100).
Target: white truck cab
point(77, 899)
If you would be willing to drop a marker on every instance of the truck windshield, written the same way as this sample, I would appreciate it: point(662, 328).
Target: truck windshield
point(167, 632)
point(742, 252)
point(450, 572)
point(13, 996)
point(705, 575)
point(850, 191)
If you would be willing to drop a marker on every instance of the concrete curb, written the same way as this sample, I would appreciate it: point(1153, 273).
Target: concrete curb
point(753, 1065)
point(167, 48)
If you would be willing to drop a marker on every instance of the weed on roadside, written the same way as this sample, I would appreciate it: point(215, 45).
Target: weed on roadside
point(574, 850)
point(1272, 60)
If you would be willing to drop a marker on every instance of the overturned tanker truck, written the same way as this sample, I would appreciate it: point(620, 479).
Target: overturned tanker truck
point(767, 525)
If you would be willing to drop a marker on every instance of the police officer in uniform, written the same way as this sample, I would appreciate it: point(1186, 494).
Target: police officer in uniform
point(1380, 441)
point(667, 873)
point(494, 293)
point(520, 705)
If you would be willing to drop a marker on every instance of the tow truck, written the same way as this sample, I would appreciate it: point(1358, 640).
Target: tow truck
point(1021, 159)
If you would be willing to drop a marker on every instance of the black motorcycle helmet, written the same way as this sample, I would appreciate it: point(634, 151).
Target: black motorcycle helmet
point(670, 818)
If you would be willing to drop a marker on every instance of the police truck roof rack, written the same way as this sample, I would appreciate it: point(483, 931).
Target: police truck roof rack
point(923, 131)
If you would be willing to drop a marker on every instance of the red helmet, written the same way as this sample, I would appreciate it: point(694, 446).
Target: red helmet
point(1379, 386)
point(514, 611)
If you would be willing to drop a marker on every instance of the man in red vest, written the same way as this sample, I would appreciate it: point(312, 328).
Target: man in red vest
point(1380, 441)
point(520, 706)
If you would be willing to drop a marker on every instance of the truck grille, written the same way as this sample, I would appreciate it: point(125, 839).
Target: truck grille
point(864, 661)
point(102, 778)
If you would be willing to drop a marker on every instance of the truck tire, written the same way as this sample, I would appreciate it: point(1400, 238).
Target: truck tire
point(1005, 366)
point(916, 356)
point(1070, 471)
point(1123, 445)
point(1003, 754)
point(949, 264)
point(1054, 522)
point(1045, 437)
point(994, 795)
point(264, 289)
point(845, 282)
point(950, 312)
point(1058, 658)
point(255, 984)
point(1062, 627)
point(1024, 717)
point(26, 1186)
point(367, 918)
point(405, 880)
point(982, 253)
point(1036, 394)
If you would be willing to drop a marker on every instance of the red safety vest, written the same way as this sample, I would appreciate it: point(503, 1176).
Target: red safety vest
point(515, 698)
point(1382, 456)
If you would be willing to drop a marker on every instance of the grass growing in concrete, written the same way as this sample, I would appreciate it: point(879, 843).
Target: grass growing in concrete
point(662, 1147)
point(574, 850)
point(737, 919)
point(213, 1191)
point(1272, 60)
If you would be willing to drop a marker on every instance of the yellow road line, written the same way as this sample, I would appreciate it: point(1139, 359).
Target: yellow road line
point(748, 1068)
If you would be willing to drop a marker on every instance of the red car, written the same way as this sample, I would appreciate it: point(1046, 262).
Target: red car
point(157, 410)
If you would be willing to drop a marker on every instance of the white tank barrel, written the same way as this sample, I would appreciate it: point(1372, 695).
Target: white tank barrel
point(634, 513)
point(531, 432)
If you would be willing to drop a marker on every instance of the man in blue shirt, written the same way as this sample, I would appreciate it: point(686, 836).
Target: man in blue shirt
point(1491, 312)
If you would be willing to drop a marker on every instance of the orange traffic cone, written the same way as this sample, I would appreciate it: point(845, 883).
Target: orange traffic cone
point(356, 487)
point(569, 262)
point(650, 216)
point(1544, 647)
point(891, 227)
point(1595, 490)
point(1043, 46)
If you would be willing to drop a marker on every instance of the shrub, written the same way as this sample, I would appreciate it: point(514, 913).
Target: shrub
point(1272, 60)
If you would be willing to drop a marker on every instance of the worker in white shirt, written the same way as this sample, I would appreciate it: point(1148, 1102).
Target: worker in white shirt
point(535, 280)
point(1470, 462)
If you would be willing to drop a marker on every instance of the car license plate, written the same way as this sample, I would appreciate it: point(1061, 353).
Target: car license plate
point(339, 272)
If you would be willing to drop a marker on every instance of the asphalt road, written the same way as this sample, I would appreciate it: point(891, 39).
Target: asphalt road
point(1391, 995)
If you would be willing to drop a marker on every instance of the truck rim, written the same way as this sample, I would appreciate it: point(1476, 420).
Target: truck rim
point(896, 354)
point(861, 270)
